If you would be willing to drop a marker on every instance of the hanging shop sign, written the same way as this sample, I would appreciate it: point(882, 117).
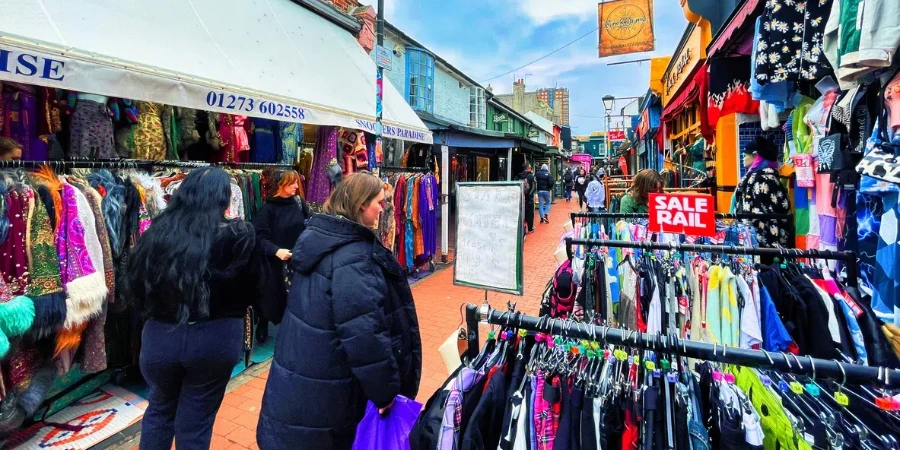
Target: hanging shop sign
point(684, 62)
point(489, 236)
point(626, 26)
point(86, 75)
point(617, 135)
point(500, 118)
point(689, 214)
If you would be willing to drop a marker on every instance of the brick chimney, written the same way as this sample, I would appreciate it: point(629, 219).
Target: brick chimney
point(366, 16)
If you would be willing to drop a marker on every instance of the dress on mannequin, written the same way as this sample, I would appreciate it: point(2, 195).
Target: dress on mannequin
point(149, 140)
point(91, 133)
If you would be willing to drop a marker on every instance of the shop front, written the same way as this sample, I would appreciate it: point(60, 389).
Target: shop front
point(137, 105)
point(682, 83)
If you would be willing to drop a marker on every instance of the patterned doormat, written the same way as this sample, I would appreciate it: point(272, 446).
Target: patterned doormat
point(85, 423)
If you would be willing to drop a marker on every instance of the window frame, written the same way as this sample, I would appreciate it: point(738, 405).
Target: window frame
point(420, 97)
point(477, 108)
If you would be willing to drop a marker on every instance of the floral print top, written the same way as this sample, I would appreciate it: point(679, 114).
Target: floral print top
point(790, 42)
point(760, 192)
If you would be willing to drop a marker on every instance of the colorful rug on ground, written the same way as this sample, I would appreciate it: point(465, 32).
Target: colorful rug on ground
point(87, 422)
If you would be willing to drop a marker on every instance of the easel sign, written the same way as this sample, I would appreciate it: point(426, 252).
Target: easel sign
point(489, 236)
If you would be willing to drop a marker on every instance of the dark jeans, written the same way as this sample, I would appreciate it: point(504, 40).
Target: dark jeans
point(569, 193)
point(529, 215)
point(187, 368)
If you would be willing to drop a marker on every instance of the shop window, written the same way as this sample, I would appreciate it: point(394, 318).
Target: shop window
point(477, 114)
point(420, 80)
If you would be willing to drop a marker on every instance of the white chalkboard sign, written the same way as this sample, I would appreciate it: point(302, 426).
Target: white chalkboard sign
point(489, 236)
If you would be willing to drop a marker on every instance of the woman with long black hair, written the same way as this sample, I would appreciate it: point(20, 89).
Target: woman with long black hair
point(192, 274)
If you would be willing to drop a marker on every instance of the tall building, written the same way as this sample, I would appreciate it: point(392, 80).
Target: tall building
point(558, 99)
point(524, 102)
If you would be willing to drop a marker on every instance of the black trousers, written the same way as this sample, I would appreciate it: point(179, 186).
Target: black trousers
point(529, 215)
point(187, 368)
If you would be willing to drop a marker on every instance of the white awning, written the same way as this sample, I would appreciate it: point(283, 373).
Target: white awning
point(261, 58)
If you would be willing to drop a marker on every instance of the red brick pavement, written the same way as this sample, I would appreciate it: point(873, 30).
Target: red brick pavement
point(438, 303)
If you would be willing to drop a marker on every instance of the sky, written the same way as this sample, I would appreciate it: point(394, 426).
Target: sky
point(486, 38)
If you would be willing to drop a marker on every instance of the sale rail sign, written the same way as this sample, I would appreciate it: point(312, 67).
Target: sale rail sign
point(689, 214)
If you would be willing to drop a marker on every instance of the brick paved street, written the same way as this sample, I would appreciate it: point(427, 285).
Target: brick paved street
point(438, 303)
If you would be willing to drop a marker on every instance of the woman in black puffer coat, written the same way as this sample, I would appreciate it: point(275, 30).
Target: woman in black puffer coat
point(350, 332)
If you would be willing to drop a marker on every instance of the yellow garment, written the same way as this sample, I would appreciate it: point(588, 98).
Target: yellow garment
point(777, 427)
point(892, 334)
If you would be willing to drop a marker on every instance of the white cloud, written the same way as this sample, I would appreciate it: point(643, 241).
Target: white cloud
point(390, 9)
point(543, 11)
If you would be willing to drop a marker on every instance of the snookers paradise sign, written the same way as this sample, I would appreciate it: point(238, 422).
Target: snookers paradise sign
point(626, 26)
point(690, 214)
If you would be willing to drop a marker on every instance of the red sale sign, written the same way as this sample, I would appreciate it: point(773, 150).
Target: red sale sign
point(690, 214)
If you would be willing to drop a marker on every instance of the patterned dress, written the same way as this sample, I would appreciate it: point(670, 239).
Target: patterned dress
point(790, 41)
point(761, 192)
point(149, 140)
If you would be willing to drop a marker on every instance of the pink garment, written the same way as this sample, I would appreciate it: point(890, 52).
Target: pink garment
point(892, 101)
point(546, 415)
point(233, 131)
point(74, 260)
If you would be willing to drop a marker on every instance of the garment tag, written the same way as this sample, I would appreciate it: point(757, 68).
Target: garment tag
point(683, 305)
point(809, 438)
point(796, 387)
point(766, 381)
point(672, 377)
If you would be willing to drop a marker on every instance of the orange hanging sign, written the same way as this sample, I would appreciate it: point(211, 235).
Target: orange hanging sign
point(626, 26)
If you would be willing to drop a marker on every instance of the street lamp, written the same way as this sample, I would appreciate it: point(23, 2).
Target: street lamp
point(608, 101)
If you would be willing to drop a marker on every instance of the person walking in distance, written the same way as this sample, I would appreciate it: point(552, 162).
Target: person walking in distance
point(581, 183)
point(278, 224)
point(192, 275)
point(544, 181)
point(527, 178)
point(595, 195)
point(569, 181)
point(350, 332)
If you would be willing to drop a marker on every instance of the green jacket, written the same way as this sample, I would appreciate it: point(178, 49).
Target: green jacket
point(630, 205)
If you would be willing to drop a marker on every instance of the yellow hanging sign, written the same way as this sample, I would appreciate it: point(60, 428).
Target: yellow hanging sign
point(626, 26)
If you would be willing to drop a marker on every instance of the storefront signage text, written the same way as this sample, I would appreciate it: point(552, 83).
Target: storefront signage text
point(28, 65)
point(673, 76)
point(617, 135)
point(688, 214)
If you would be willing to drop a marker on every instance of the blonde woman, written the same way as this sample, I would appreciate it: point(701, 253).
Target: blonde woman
point(350, 332)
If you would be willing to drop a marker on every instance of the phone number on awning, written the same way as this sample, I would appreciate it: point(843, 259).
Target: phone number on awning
point(240, 103)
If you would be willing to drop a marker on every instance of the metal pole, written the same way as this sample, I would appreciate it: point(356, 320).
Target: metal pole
point(379, 84)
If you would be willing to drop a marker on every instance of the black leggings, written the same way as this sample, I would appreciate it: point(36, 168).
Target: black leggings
point(581, 200)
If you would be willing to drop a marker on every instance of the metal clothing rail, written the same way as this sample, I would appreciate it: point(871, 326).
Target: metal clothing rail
point(252, 165)
point(724, 216)
point(785, 253)
point(405, 169)
point(77, 164)
point(672, 344)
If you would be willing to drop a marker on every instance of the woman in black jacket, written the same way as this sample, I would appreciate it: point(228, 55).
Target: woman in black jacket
point(278, 225)
point(581, 184)
point(192, 274)
point(350, 332)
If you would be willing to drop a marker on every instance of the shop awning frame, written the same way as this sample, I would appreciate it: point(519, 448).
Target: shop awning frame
point(735, 28)
point(272, 59)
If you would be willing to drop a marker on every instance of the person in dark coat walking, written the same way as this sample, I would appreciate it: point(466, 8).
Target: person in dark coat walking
point(569, 181)
point(581, 184)
point(278, 225)
point(544, 181)
point(527, 176)
point(192, 275)
point(350, 332)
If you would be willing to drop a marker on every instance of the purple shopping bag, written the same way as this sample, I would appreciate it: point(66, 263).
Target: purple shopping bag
point(390, 432)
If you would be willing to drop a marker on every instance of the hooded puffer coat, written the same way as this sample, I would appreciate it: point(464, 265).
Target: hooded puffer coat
point(349, 334)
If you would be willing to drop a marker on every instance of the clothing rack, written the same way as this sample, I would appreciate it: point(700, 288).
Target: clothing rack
point(78, 164)
point(785, 253)
point(742, 216)
point(672, 344)
point(405, 169)
point(253, 165)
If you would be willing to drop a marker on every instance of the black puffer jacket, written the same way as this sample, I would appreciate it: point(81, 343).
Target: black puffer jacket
point(349, 334)
point(544, 180)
